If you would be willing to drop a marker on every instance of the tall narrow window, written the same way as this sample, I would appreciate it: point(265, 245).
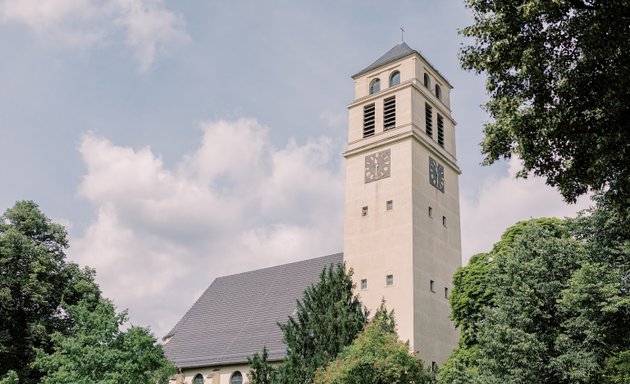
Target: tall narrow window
point(427, 82)
point(364, 284)
point(440, 124)
point(389, 205)
point(364, 211)
point(445, 293)
point(432, 285)
point(368, 120)
point(375, 86)
point(389, 279)
point(389, 113)
point(438, 92)
point(428, 119)
point(394, 78)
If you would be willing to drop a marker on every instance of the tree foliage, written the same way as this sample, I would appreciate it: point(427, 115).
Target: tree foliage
point(558, 74)
point(554, 307)
point(260, 370)
point(54, 325)
point(327, 319)
point(34, 280)
point(97, 351)
point(376, 356)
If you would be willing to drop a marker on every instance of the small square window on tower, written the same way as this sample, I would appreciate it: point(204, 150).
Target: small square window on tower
point(432, 285)
point(444, 221)
point(389, 205)
point(389, 280)
point(364, 211)
point(364, 284)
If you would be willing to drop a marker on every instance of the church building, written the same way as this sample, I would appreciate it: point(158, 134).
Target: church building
point(401, 233)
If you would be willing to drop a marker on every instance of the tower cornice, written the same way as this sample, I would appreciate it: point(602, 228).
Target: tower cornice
point(397, 135)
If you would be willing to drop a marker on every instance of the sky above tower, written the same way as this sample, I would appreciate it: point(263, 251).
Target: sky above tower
point(182, 141)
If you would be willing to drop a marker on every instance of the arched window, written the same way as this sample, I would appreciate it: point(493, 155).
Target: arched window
point(438, 92)
point(375, 86)
point(394, 78)
point(237, 378)
point(427, 82)
point(198, 379)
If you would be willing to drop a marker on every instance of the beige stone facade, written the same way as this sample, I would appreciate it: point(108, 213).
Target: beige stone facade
point(401, 233)
point(212, 375)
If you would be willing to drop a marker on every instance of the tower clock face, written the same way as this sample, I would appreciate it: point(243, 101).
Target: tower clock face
point(436, 174)
point(377, 166)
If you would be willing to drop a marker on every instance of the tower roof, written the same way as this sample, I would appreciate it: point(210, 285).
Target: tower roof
point(399, 51)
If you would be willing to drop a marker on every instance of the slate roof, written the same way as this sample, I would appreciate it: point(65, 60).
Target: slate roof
point(238, 314)
point(399, 51)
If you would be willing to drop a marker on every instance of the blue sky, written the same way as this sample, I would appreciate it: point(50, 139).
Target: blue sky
point(181, 141)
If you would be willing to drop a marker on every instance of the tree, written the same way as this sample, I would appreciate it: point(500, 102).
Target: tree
point(474, 293)
point(97, 351)
point(596, 303)
point(558, 74)
point(376, 356)
point(549, 304)
point(260, 371)
point(471, 293)
point(328, 318)
point(518, 339)
point(34, 280)
point(55, 327)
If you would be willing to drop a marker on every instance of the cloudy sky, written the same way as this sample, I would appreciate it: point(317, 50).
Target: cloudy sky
point(181, 141)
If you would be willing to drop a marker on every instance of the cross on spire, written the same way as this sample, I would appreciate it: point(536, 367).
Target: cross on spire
point(402, 34)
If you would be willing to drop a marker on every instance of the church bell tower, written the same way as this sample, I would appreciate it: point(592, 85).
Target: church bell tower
point(401, 227)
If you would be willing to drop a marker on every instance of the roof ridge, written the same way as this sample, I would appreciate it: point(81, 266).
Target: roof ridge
point(279, 265)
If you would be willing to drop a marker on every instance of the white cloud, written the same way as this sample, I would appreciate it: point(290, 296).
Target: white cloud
point(236, 203)
point(148, 25)
point(501, 202)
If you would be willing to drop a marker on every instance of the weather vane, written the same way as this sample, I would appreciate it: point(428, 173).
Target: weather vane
point(402, 34)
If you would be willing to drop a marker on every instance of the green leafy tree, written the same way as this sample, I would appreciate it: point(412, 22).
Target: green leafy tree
point(10, 378)
point(596, 303)
point(376, 356)
point(260, 370)
point(97, 351)
point(518, 340)
point(328, 318)
point(618, 368)
point(34, 280)
point(549, 304)
point(474, 293)
point(558, 75)
point(471, 293)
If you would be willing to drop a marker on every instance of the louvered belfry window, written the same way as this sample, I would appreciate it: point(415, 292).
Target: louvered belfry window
point(440, 125)
point(389, 113)
point(428, 119)
point(368, 120)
